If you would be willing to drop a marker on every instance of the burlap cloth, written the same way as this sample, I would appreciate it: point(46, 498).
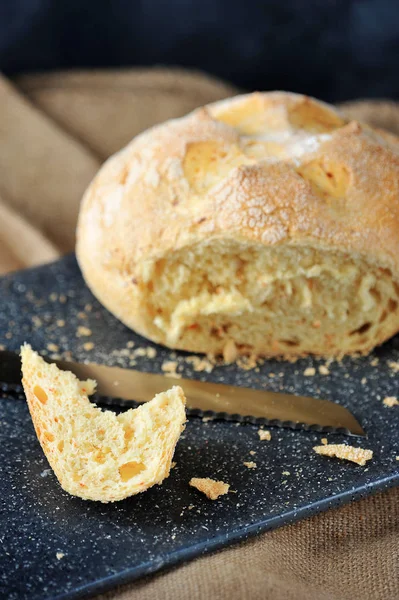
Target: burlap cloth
point(55, 130)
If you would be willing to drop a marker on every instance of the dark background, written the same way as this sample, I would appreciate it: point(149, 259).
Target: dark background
point(336, 50)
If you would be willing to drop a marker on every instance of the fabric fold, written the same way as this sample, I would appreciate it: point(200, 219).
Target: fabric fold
point(43, 170)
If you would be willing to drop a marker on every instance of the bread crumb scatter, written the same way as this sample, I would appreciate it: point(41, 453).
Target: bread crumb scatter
point(60, 323)
point(60, 555)
point(309, 372)
point(394, 365)
point(252, 452)
point(2, 347)
point(148, 352)
point(374, 362)
point(52, 347)
point(139, 352)
point(247, 363)
point(390, 401)
point(363, 380)
point(207, 419)
point(82, 315)
point(37, 322)
point(130, 344)
point(323, 370)
point(169, 368)
point(53, 297)
point(210, 487)
point(200, 364)
point(286, 473)
point(324, 441)
point(264, 434)
point(357, 455)
point(83, 331)
point(88, 346)
point(169, 365)
point(250, 464)
point(397, 458)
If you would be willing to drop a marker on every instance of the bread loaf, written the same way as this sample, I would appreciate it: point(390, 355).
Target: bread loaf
point(95, 454)
point(265, 223)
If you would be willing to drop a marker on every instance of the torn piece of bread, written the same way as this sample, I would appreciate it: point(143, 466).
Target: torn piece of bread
point(96, 454)
point(210, 487)
point(357, 455)
point(266, 224)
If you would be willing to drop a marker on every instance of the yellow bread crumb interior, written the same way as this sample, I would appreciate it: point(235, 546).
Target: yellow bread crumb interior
point(280, 300)
point(96, 454)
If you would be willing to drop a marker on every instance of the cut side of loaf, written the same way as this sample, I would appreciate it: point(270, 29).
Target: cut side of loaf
point(96, 454)
point(272, 301)
point(264, 224)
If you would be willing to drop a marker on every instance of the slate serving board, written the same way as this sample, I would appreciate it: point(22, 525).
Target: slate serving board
point(57, 546)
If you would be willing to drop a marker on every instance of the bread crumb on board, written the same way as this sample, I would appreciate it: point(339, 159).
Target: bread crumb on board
point(394, 365)
point(83, 331)
point(88, 346)
point(357, 455)
point(148, 352)
point(250, 464)
point(390, 401)
point(200, 364)
point(323, 370)
point(324, 441)
point(264, 435)
point(210, 487)
point(169, 368)
point(374, 362)
point(60, 555)
point(309, 372)
point(247, 363)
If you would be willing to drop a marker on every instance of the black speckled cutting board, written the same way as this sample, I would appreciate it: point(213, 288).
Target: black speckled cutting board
point(56, 546)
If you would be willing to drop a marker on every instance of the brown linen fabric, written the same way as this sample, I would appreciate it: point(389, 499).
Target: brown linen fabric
point(55, 130)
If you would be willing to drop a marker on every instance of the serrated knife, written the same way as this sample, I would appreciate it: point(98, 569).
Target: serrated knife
point(125, 387)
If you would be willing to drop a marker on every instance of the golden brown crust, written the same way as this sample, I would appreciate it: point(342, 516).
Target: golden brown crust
point(272, 168)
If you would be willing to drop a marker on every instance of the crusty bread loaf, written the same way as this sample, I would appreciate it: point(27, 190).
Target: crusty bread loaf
point(96, 454)
point(265, 223)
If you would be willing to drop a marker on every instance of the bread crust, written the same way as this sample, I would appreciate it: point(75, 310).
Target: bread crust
point(290, 170)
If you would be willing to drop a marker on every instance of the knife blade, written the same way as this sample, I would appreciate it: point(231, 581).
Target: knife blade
point(124, 387)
